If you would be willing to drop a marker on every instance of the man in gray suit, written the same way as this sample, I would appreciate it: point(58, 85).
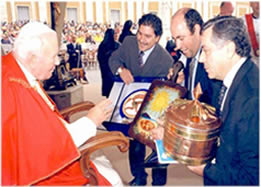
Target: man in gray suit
point(142, 56)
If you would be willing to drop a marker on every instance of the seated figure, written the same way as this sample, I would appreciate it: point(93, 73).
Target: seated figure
point(38, 146)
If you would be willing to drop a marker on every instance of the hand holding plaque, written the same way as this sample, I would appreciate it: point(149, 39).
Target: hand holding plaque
point(154, 105)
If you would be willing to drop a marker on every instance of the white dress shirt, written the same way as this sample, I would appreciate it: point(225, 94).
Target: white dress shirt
point(147, 54)
point(228, 80)
point(194, 73)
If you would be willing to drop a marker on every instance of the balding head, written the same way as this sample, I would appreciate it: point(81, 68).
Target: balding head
point(190, 16)
point(179, 15)
point(185, 30)
point(255, 7)
point(226, 8)
point(181, 12)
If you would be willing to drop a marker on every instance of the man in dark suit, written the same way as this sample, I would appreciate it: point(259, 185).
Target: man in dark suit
point(141, 55)
point(226, 56)
point(185, 30)
point(75, 52)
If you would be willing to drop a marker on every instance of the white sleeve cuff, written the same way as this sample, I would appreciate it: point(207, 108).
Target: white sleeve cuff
point(81, 130)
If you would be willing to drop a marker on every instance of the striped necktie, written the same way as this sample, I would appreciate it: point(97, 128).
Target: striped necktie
point(191, 70)
point(140, 58)
point(220, 99)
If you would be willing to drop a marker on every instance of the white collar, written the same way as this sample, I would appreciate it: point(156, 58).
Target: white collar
point(147, 52)
point(31, 79)
point(232, 73)
point(198, 54)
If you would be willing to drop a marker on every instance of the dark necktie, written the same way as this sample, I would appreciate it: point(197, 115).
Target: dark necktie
point(140, 59)
point(189, 76)
point(186, 72)
point(220, 99)
point(191, 69)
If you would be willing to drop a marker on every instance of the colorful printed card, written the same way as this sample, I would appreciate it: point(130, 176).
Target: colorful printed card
point(163, 156)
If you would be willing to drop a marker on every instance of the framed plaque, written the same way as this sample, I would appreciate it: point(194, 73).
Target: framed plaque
point(160, 95)
point(127, 99)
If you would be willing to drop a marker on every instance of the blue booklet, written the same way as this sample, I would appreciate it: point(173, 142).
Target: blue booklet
point(163, 156)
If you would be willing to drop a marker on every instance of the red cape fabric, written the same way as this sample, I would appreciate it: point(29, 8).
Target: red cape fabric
point(252, 34)
point(36, 147)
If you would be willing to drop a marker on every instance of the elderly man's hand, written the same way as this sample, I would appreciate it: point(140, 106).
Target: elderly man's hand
point(126, 76)
point(197, 169)
point(100, 112)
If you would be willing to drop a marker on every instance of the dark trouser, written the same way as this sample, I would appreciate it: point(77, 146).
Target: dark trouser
point(136, 157)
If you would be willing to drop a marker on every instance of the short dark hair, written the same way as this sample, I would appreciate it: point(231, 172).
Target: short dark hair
point(153, 21)
point(222, 3)
point(192, 17)
point(230, 28)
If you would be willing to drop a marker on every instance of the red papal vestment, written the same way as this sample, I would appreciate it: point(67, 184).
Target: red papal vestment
point(36, 146)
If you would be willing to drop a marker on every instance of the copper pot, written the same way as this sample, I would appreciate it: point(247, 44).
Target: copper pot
point(191, 132)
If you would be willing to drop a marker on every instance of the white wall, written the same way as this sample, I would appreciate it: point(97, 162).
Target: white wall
point(3, 14)
point(43, 11)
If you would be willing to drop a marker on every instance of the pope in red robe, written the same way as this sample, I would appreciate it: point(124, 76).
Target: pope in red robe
point(37, 148)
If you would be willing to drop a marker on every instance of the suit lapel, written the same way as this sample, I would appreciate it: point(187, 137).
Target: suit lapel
point(232, 90)
point(152, 54)
point(149, 63)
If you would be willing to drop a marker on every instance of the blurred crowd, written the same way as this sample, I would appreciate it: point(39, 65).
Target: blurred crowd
point(87, 34)
point(10, 31)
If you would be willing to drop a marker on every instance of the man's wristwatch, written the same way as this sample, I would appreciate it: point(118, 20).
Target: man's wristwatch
point(119, 70)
